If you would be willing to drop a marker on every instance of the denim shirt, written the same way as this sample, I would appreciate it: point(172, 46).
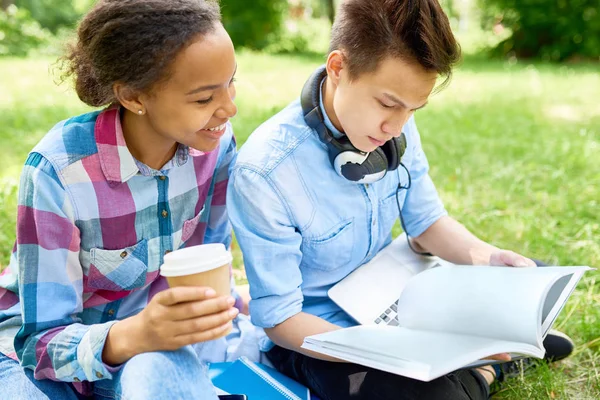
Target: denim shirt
point(302, 228)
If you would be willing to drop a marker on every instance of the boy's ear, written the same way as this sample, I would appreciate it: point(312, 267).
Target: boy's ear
point(130, 99)
point(335, 66)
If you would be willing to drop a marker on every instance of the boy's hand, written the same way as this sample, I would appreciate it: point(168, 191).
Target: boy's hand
point(506, 258)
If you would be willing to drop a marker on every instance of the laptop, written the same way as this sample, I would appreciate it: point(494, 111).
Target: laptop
point(380, 282)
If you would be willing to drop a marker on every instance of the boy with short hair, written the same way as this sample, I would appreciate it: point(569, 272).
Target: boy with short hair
point(314, 191)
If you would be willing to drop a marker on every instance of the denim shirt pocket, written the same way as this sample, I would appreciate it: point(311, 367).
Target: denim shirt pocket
point(189, 226)
point(331, 250)
point(388, 212)
point(119, 270)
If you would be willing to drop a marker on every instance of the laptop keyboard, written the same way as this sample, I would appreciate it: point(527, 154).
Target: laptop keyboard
point(389, 316)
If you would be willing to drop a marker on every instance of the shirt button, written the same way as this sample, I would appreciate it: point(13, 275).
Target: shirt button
point(123, 254)
point(374, 222)
point(99, 375)
point(111, 312)
point(162, 177)
point(76, 379)
point(164, 213)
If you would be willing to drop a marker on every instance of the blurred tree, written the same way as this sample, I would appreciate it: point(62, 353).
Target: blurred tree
point(83, 6)
point(330, 6)
point(51, 14)
point(450, 8)
point(5, 3)
point(19, 33)
point(251, 23)
point(556, 30)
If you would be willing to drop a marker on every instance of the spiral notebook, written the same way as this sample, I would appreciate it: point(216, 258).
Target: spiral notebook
point(255, 380)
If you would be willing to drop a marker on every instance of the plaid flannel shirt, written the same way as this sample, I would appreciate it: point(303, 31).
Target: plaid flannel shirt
point(93, 225)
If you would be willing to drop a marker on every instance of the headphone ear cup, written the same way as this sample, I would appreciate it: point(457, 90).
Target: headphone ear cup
point(350, 165)
point(391, 153)
point(394, 150)
point(376, 161)
point(360, 167)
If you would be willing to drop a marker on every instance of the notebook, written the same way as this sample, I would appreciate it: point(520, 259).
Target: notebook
point(255, 380)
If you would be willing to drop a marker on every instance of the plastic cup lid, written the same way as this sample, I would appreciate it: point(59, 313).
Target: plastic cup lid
point(195, 259)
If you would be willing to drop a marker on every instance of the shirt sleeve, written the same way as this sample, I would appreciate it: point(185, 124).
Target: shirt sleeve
point(270, 244)
point(422, 205)
point(52, 341)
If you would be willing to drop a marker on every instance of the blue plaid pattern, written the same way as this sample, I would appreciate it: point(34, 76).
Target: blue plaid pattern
point(93, 227)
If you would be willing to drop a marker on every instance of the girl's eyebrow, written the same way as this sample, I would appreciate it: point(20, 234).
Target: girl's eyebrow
point(208, 87)
point(202, 89)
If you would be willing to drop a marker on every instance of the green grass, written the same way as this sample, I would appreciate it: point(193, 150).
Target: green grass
point(513, 150)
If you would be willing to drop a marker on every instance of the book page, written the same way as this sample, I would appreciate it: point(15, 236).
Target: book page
point(497, 302)
point(422, 355)
point(558, 294)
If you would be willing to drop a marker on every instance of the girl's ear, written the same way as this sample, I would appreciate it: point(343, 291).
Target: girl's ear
point(130, 99)
point(335, 66)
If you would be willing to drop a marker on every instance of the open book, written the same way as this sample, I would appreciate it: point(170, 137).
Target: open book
point(451, 317)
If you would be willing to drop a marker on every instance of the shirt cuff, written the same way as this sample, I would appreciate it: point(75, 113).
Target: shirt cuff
point(425, 223)
point(270, 311)
point(89, 353)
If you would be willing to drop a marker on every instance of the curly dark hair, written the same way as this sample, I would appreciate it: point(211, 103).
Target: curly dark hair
point(133, 42)
point(414, 30)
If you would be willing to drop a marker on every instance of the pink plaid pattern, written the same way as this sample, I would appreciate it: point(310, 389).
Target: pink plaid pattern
point(93, 227)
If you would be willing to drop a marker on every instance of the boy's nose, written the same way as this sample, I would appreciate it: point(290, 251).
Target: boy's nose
point(392, 130)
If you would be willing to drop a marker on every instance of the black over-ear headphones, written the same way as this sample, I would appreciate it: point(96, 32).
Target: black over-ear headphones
point(347, 160)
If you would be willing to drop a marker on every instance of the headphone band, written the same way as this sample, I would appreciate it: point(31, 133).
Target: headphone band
point(310, 99)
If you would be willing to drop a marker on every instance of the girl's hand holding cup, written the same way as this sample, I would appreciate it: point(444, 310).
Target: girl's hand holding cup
point(183, 315)
point(197, 307)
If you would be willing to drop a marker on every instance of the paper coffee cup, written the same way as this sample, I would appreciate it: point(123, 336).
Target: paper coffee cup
point(203, 265)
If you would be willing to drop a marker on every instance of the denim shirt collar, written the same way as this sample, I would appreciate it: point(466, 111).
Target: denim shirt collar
point(336, 133)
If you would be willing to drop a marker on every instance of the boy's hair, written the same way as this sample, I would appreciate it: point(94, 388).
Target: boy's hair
point(133, 42)
point(368, 31)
